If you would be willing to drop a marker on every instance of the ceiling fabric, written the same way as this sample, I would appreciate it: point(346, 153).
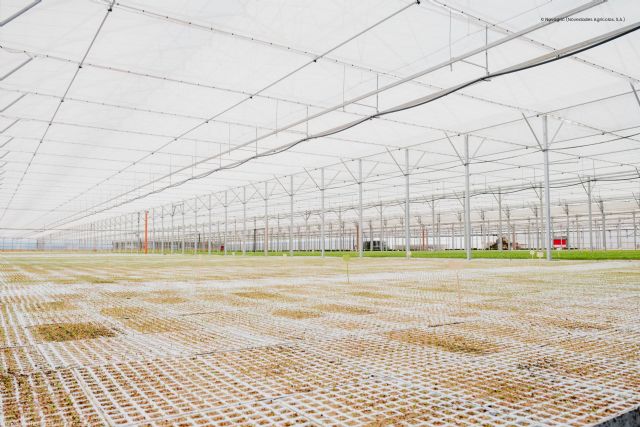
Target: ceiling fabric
point(112, 108)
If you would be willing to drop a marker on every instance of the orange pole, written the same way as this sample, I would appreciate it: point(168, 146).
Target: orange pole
point(146, 235)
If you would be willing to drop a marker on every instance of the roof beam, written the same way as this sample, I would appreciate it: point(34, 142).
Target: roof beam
point(19, 13)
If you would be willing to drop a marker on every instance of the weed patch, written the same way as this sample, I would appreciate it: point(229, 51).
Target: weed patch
point(71, 331)
point(452, 343)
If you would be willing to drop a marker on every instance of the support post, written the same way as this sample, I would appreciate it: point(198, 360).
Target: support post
point(407, 216)
point(291, 215)
point(439, 231)
point(360, 240)
point(589, 201)
point(322, 237)
point(209, 231)
point(433, 224)
point(195, 225)
point(244, 221)
point(381, 230)
point(162, 235)
point(635, 232)
point(172, 234)
point(183, 229)
point(541, 219)
point(146, 229)
point(547, 195)
point(137, 236)
point(604, 225)
point(266, 219)
point(340, 230)
point(566, 207)
point(153, 230)
point(226, 217)
point(499, 219)
point(467, 200)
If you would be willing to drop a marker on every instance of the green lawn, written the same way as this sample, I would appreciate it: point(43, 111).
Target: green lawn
point(520, 254)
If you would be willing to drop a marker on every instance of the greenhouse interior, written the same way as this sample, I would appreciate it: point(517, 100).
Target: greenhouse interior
point(336, 213)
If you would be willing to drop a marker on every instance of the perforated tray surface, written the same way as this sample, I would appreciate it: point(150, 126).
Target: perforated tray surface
point(164, 341)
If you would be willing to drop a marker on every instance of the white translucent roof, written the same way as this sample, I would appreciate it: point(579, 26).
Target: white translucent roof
point(155, 102)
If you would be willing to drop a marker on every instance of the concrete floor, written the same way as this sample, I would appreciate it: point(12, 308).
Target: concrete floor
point(181, 340)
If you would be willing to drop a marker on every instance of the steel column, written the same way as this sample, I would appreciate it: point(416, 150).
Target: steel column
point(407, 216)
point(153, 230)
point(322, 237)
point(291, 215)
point(172, 234)
point(589, 201)
point(360, 240)
point(266, 219)
point(467, 200)
point(604, 225)
point(146, 229)
point(547, 194)
point(433, 224)
point(184, 229)
point(244, 221)
point(195, 225)
point(499, 219)
point(381, 229)
point(162, 225)
point(635, 233)
point(226, 217)
point(209, 231)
